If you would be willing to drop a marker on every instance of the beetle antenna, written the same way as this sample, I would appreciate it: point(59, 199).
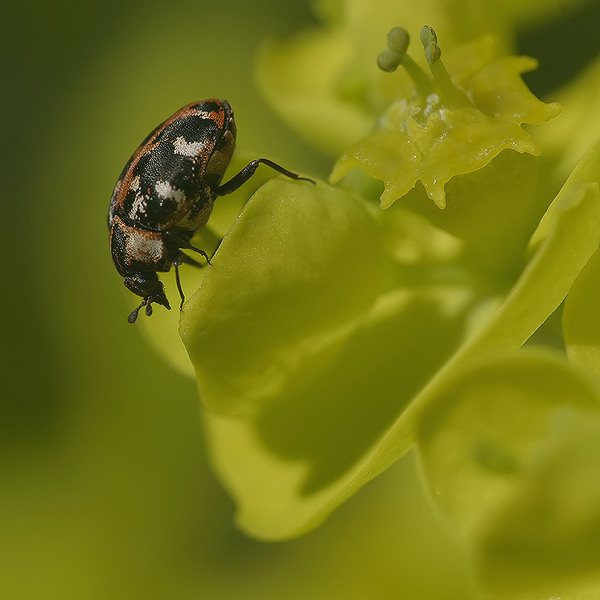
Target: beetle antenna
point(134, 313)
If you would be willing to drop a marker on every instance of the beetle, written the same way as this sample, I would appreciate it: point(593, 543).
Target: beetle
point(166, 192)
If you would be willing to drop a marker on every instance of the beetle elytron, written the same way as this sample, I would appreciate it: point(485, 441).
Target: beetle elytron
point(166, 193)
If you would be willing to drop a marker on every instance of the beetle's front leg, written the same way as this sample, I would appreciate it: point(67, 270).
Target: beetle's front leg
point(237, 180)
point(178, 282)
point(177, 241)
point(188, 260)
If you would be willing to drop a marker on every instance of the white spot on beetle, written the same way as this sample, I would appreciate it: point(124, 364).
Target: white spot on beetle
point(166, 191)
point(139, 206)
point(189, 149)
point(144, 247)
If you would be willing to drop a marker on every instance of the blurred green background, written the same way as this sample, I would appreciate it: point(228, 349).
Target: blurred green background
point(105, 490)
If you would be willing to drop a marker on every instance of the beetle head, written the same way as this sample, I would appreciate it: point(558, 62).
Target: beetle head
point(150, 288)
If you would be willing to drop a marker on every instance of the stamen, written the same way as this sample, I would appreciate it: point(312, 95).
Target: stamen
point(449, 93)
point(398, 40)
point(420, 79)
point(389, 60)
point(428, 35)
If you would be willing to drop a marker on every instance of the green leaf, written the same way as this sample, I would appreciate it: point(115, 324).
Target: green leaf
point(547, 535)
point(571, 235)
point(586, 171)
point(581, 317)
point(294, 275)
point(297, 344)
point(290, 466)
point(293, 329)
point(510, 456)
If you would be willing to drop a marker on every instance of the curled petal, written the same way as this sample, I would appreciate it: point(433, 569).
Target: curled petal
point(499, 91)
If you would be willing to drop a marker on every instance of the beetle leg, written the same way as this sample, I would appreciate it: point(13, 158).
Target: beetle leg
point(188, 260)
point(184, 258)
point(199, 251)
point(178, 282)
point(237, 180)
point(179, 241)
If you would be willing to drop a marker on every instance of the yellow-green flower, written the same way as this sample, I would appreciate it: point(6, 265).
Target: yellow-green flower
point(329, 337)
point(438, 368)
point(448, 127)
